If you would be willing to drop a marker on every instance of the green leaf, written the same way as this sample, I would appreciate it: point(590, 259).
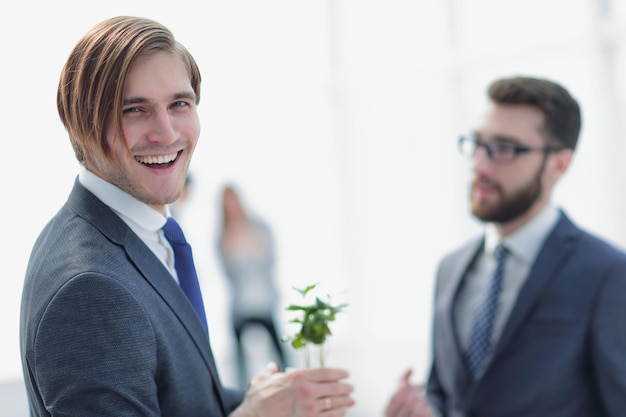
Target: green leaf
point(306, 289)
point(294, 307)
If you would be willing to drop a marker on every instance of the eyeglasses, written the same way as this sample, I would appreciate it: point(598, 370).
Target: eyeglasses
point(498, 150)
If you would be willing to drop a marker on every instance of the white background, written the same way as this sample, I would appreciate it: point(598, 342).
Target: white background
point(338, 119)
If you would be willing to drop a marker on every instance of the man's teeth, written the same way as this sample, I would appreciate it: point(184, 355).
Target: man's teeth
point(156, 159)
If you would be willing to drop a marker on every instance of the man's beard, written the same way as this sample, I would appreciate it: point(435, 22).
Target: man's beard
point(512, 206)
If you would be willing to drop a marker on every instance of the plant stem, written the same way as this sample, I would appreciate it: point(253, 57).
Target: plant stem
point(307, 357)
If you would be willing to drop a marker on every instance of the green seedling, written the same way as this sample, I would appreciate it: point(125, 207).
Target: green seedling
point(314, 324)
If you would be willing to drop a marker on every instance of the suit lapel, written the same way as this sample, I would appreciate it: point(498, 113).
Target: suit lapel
point(456, 271)
point(86, 205)
point(555, 252)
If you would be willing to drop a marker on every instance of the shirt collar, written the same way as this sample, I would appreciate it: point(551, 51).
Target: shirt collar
point(525, 242)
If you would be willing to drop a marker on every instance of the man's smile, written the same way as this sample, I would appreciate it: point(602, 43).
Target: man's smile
point(152, 160)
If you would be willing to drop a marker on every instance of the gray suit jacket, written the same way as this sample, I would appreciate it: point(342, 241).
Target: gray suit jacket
point(106, 331)
point(563, 350)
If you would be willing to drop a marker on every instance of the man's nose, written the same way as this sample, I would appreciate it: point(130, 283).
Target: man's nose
point(162, 128)
point(481, 159)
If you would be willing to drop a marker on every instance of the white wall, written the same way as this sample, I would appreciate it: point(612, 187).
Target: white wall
point(339, 120)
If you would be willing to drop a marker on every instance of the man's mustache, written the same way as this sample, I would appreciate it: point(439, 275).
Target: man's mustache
point(486, 182)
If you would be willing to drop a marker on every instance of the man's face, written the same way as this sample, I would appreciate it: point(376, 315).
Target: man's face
point(502, 192)
point(161, 129)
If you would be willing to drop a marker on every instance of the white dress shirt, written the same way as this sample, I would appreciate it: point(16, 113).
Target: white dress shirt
point(145, 221)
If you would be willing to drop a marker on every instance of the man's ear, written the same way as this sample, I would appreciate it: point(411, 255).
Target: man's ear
point(561, 162)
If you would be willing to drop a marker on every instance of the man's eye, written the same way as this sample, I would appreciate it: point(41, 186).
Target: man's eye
point(180, 104)
point(131, 110)
point(502, 147)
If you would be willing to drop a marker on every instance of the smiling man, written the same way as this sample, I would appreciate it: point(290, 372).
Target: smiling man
point(109, 324)
point(528, 316)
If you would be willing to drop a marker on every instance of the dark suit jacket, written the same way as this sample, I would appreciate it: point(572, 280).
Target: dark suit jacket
point(106, 331)
point(563, 350)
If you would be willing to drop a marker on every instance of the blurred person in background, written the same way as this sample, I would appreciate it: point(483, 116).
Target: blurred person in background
point(528, 316)
point(247, 254)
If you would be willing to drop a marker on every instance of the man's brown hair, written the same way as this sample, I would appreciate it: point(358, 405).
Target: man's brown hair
point(561, 110)
point(91, 86)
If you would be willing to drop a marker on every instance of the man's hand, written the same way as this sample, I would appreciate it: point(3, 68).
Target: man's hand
point(409, 400)
point(297, 393)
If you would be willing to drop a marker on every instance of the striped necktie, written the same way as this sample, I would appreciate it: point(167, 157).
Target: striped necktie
point(482, 329)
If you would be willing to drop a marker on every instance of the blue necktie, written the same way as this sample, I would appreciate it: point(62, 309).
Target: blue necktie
point(480, 338)
point(185, 268)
